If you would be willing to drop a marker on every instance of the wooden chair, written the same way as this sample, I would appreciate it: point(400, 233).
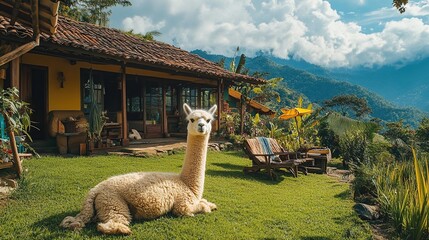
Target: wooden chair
point(273, 158)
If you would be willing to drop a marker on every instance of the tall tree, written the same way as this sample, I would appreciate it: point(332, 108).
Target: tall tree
point(91, 11)
point(347, 104)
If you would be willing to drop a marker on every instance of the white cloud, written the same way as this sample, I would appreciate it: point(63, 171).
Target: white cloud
point(305, 29)
point(141, 24)
point(413, 9)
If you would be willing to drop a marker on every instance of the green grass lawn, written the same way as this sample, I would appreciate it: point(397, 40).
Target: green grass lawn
point(249, 206)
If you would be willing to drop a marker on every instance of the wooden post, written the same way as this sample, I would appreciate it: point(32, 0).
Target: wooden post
point(35, 19)
point(125, 140)
point(242, 112)
point(15, 72)
point(219, 103)
point(12, 141)
point(164, 111)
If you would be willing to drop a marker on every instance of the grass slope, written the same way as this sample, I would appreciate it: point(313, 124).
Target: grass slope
point(250, 207)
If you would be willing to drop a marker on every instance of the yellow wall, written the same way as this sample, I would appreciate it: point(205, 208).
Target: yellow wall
point(67, 98)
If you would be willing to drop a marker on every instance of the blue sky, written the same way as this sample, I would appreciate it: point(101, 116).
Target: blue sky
point(334, 33)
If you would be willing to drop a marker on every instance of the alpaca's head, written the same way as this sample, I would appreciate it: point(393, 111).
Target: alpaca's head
point(199, 121)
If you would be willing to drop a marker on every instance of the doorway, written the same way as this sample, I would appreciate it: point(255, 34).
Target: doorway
point(154, 110)
point(34, 90)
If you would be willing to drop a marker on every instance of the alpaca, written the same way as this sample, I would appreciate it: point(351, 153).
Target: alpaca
point(149, 195)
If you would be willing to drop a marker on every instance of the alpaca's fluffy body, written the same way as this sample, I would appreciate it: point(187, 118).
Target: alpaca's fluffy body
point(148, 195)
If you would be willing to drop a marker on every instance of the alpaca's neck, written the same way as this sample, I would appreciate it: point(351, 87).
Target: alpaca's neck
point(194, 166)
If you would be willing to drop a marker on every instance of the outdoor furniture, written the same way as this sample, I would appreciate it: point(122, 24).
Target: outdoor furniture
point(321, 158)
point(267, 154)
point(68, 139)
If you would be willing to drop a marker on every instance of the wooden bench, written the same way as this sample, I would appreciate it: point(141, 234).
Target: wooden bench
point(273, 158)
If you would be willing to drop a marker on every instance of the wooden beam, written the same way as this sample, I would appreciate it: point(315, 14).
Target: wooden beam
point(125, 140)
point(18, 52)
point(15, 11)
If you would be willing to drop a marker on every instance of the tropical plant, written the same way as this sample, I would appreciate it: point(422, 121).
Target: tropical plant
point(274, 131)
point(16, 114)
point(15, 111)
point(362, 185)
point(403, 190)
point(256, 129)
point(97, 117)
point(230, 121)
point(305, 122)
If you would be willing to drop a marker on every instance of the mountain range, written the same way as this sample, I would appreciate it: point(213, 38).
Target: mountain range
point(319, 84)
point(405, 85)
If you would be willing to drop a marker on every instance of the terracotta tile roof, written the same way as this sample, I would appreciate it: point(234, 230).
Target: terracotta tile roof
point(47, 13)
point(115, 44)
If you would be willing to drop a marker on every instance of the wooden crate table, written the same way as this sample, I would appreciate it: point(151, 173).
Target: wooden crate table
point(112, 132)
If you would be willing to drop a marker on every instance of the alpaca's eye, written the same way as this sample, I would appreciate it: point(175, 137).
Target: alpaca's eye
point(208, 120)
point(192, 120)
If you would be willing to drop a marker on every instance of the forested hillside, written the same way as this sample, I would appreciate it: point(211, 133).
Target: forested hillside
point(318, 89)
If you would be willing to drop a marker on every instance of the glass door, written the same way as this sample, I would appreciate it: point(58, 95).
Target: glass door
point(154, 111)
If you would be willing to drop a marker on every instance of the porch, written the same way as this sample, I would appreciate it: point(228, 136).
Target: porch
point(139, 148)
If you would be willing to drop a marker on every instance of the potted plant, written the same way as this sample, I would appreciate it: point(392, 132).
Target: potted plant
point(97, 119)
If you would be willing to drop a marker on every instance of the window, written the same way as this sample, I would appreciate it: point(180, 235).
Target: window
point(190, 96)
point(171, 100)
point(86, 89)
point(135, 100)
point(208, 97)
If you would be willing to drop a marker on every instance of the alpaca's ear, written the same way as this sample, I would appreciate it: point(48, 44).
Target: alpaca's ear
point(213, 109)
point(187, 109)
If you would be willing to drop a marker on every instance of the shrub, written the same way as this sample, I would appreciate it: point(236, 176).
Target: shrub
point(422, 135)
point(362, 186)
point(354, 147)
point(328, 138)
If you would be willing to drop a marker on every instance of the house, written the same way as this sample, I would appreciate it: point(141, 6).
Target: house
point(141, 84)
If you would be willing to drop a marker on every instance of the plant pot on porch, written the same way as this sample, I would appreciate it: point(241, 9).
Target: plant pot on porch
point(92, 144)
